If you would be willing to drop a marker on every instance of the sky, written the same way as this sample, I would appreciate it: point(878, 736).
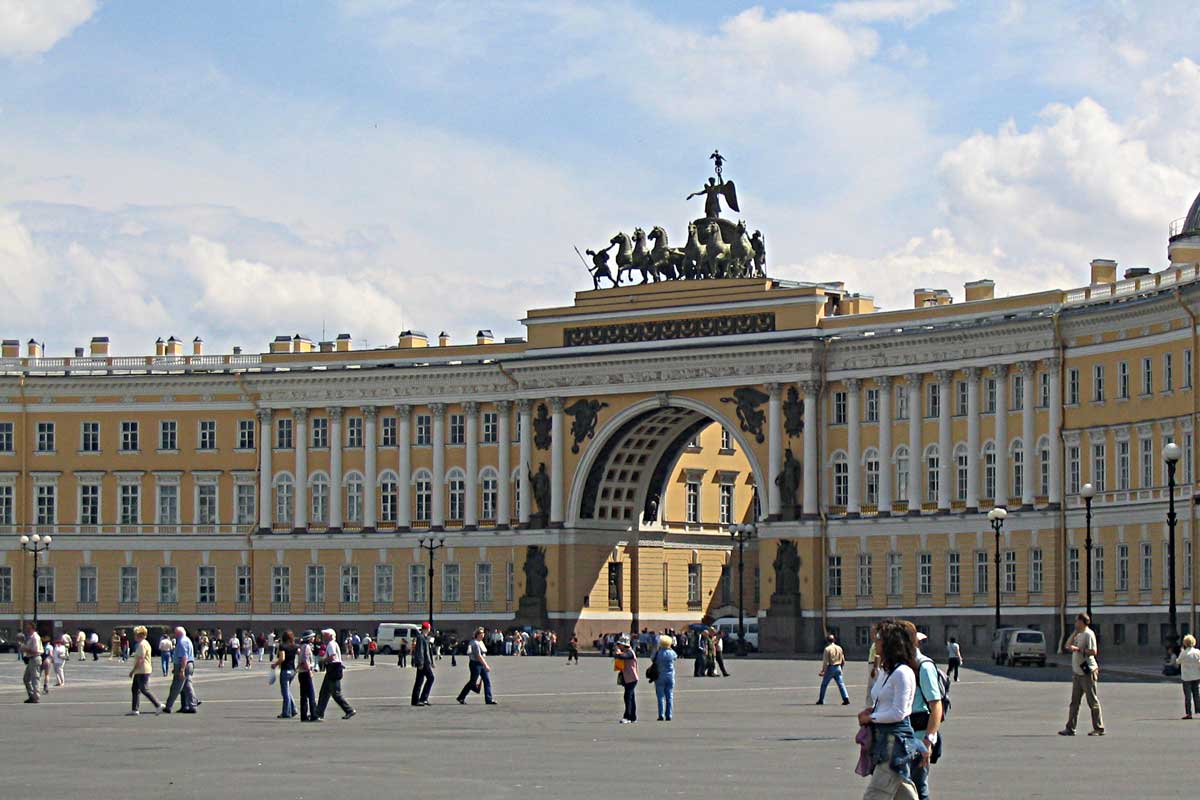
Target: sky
point(241, 170)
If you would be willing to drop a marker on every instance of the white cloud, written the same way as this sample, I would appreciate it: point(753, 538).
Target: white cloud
point(909, 12)
point(30, 27)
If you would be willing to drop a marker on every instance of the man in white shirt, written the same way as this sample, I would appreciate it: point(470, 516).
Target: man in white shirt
point(331, 685)
point(954, 653)
point(1085, 672)
point(480, 670)
point(94, 645)
point(32, 651)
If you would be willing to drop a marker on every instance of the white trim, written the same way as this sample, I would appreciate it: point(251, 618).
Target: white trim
point(625, 616)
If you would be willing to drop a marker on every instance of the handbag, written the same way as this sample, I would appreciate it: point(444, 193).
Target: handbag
point(272, 677)
point(652, 673)
point(620, 679)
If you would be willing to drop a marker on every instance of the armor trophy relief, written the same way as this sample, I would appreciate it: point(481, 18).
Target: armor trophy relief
point(716, 247)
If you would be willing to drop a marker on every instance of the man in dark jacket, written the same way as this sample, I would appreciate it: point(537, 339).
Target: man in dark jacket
point(422, 658)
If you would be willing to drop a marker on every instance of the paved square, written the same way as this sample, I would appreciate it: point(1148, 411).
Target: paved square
point(555, 734)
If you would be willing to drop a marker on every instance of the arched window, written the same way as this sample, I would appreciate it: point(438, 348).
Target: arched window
point(989, 472)
point(456, 494)
point(423, 495)
point(1018, 468)
point(1044, 466)
point(960, 472)
point(932, 465)
point(389, 496)
point(871, 470)
point(319, 485)
point(489, 485)
point(354, 497)
point(841, 480)
point(901, 482)
point(285, 498)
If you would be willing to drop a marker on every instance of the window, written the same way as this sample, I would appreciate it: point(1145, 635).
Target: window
point(1122, 568)
point(666, 584)
point(841, 480)
point(244, 500)
point(1099, 464)
point(1072, 570)
point(451, 583)
point(168, 435)
point(315, 584)
point(1187, 563)
point(206, 504)
point(933, 404)
point(1044, 467)
point(416, 583)
point(1018, 469)
point(725, 586)
point(961, 394)
point(281, 584)
point(989, 471)
point(834, 580)
point(931, 475)
point(1187, 369)
point(1010, 571)
point(1098, 383)
point(208, 434)
point(1044, 389)
point(6, 504)
point(387, 428)
point(872, 405)
point(981, 572)
point(902, 404)
point(1147, 569)
point(864, 574)
point(726, 504)
point(953, 573)
point(895, 564)
point(1073, 469)
point(1035, 570)
point(320, 499)
point(46, 503)
point(129, 436)
point(354, 431)
point(45, 437)
point(283, 498)
point(320, 433)
point(1097, 568)
point(423, 492)
point(384, 582)
point(1072, 387)
point(354, 497)
point(693, 502)
point(89, 441)
point(1123, 380)
point(128, 585)
point(349, 583)
point(168, 504)
point(456, 492)
point(389, 499)
point(87, 585)
point(483, 582)
point(243, 583)
point(989, 395)
point(89, 504)
point(901, 481)
point(245, 434)
point(1123, 465)
point(168, 585)
point(839, 408)
point(726, 439)
point(1147, 376)
point(424, 429)
point(206, 585)
point(872, 475)
point(46, 588)
point(458, 429)
point(925, 573)
point(694, 585)
point(491, 427)
point(283, 433)
point(1018, 392)
point(1168, 371)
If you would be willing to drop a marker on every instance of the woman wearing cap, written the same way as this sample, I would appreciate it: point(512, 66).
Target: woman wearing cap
point(285, 660)
point(304, 671)
point(628, 677)
point(142, 668)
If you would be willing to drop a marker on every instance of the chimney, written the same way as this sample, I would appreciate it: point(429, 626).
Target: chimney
point(343, 342)
point(10, 348)
point(302, 344)
point(237, 351)
point(99, 346)
point(924, 297)
point(1103, 271)
point(983, 289)
point(79, 352)
point(1136, 272)
point(281, 344)
point(325, 347)
point(33, 349)
point(197, 346)
point(484, 337)
point(443, 339)
point(174, 347)
point(160, 347)
point(413, 339)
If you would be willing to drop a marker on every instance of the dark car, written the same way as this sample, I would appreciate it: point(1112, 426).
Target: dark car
point(7, 646)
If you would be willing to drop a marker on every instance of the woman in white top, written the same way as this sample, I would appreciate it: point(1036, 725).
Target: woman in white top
point(61, 651)
point(247, 649)
point(892, 698)
point(1189, 672)
point(235, 648)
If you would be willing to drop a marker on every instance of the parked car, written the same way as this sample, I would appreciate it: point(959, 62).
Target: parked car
point(999, 641)
point(728, 627)
point(7, 646)
point(1025, 645)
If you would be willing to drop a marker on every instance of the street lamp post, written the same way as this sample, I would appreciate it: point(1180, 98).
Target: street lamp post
point(35, 544)
point(1087, 492)
point(996, 517)
point(1171, 456)
point(742, 534)
point(431, 546)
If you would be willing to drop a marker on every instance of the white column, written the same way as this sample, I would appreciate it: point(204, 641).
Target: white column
point(300, 440)
point(973, 444)
point(525, 409)
point(335, 468)
point(1028, 375)
point(265, 478)
point(438, 510)
point(853, 447)
point(1056, 467)
point(915, 456)
point(503, 463)
point(885, 445)
point(945, 444)
point(471, 512)
point(404, 445)
point(371, 479)
point(812, 461)
point(1001, 434)
point(557, 434)
point(774, 448)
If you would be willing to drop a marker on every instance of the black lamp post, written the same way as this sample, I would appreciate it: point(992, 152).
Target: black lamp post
point(35, 544)
point(742, 534)
point(1087, 492)
point(996, 516)
point(1171, 456)
point(431, 546)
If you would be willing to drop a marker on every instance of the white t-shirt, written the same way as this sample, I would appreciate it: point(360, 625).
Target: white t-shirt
point(954, 650)
point(476, 650)
point(60, 654)
point(235, 643)
point(1084, 640)
point(893, 694)
point(33, 645)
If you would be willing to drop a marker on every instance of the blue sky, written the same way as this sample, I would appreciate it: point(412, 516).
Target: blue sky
point(240, 170)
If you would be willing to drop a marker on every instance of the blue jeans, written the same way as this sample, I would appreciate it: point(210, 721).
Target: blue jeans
point(285, 689)
point(166, 661)
point(477, 673)
point(664, 687)
point(631, 701)
point(833, 674)
point(920, 778)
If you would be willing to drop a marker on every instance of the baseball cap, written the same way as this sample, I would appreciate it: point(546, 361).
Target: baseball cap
point(921, 637)
point(425, 626)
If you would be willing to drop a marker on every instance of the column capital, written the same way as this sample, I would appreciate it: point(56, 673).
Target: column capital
point(299, 414)
point(504, 406)
point(334, 412)
point(471, 408)
point(438, 410)
point(775, 390)
point(1052, 363)
point(264, 415)
point(556, 404)
point(524, 406)
point(1026, 368)
point(999, 371)
point(810, 388)
point(884, 381)
point(403, 411)
point(370, 412)
point(973, 373)
point(853, 384)
point(914, 379)
point(944, 375)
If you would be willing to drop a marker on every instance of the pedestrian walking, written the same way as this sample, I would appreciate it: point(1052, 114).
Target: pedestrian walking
point(480, 670)
point(1189, 672)
point(165, 646)
point(141, 671)
point(114, 645)
point(371, 648)
point(235, 650)
point(954, 651)
point(664, 679)
point(31, 651)
point(719, 652)
point(1085, 674)
point(573, 650)
point(833, 660)
point(247, 649)
point(94, 644)
point(81, 643)
point(893, 744)
point(402, 658)
point(61, 655)
point(182, 660)
point(261, 646)
point(305, 667)
point(926, 718)
point(422, 658)
point(285, 661)
point(124, 646)
point(331, 685)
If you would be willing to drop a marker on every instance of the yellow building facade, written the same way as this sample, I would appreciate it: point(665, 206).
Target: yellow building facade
point(584, 477)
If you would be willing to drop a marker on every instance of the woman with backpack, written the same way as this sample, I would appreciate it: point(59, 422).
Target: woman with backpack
point(663, 667)
point(892, 747)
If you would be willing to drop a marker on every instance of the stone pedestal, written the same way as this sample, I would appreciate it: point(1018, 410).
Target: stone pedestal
point(532, 611)
point(784, 630)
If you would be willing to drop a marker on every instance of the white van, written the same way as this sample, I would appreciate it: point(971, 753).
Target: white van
point(1025, 645)
point(389, 635)
point(728, 627)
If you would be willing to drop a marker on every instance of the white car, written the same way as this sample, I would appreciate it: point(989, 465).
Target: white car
point(389, 635)
point(728, 627)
